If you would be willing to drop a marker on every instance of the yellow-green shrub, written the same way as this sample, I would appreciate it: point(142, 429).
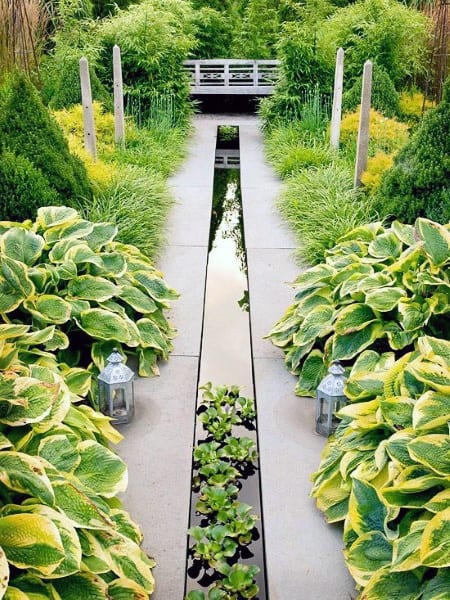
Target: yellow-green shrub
point(413, 104)
point(376, 166)
point(386, 134)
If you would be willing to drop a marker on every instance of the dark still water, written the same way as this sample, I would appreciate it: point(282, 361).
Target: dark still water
point(226, 351)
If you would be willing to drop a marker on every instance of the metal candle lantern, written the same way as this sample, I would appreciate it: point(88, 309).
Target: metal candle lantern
point(329, 399)
point(116, 389)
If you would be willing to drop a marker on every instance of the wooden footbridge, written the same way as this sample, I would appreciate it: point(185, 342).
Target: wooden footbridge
point(232, 76)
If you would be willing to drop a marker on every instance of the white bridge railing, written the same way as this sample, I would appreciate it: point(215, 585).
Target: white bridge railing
point(232, 76)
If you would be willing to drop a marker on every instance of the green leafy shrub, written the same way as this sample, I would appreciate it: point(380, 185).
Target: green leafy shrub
point(386, 472)
point(385, 31)
point(418, 182)
point(69, 277)
point(27, 129)
point(213, 33)
point(378, 289)
point(384, 97)
point(321, 205)
point(155, 37)
point(62, 528)
point(23, 188)
point(301, 64)
point(258, 30)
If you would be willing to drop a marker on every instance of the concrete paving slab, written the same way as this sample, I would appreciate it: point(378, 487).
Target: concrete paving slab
point(158, 449)
point(264, 227)
point(269, 271)
point(304, 553)
point(184, 268)
point(188, 224)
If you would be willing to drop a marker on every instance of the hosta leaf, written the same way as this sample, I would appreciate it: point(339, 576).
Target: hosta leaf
point(366, 510)
point(386, 245)
point(71, 562)
point(128, 560)
point(24, 473)
point(295, 355)
point(101, 422)
point(81, 253)
point(100, 469)
point(87, 287)
point(105, 325)
point(137, 299)
point(101, 234)
point(81, 585)
point(364, 386)
point(41, 336)
point(353, 318)
point(78, 380)
point(433, 451)
point(404, 232)
point(16, 275)
point(412, 314)
point(399, 338)
point(49, 308)
point(313, 371)
point(155, 287)
point(397, 411)
point(439, 502)
point(330, 494)
point(431, 410)
point(9, 331)
point(375, 281)
point(22, 245)
point(370, 552)
point(384, 299)
point(49, 216)
point(387, 584)
point(435, 349)
point(79, 509)
point(148, 362)
point(4, 573)
point(365, 233)
point(38, 398)
point(317, 323)
point(435, 548)
point(406, 550)
point(76, 230)
point(126, 589)
point(151, 336)
point(10, 298)
point(437, 588)
point(30, 540)
point(435, 376)
point(126, 526)
point(60, 452)
point(349, 345)
point(436, 240)
point(321, 272)
point(67, 270)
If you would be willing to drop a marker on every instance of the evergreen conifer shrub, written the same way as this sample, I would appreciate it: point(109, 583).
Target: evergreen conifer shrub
point(23, 188)
point(418, 183)
point(384, 98)
point(28, 130)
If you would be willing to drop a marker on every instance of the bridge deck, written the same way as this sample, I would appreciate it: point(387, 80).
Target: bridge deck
point(232, 76)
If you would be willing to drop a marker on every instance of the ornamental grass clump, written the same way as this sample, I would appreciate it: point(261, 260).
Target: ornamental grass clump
point(68, 277)
point(379, 288)
point(386, 473)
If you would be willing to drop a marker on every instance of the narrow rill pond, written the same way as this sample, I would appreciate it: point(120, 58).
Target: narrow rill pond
point(226, 359)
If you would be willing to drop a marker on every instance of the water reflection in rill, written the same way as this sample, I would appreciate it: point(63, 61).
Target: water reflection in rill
point(226, 353)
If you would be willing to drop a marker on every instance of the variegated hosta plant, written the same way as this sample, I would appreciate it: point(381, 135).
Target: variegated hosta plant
point(63, 533)
point(378, 288)
point(386, 473)
point(70, 281)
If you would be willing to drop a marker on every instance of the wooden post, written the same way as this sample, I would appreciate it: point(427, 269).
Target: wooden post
point(337, 100)
point(362, 148)
point(88, 113)
point(119, 119)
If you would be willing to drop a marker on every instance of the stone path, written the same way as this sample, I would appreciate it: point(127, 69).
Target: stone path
point(304, 558)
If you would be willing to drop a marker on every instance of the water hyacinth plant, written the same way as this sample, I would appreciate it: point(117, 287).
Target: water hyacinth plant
point(379, 288)
point(68, 280)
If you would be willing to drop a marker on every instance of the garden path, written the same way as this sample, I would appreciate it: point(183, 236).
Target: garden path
point(304, 557)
